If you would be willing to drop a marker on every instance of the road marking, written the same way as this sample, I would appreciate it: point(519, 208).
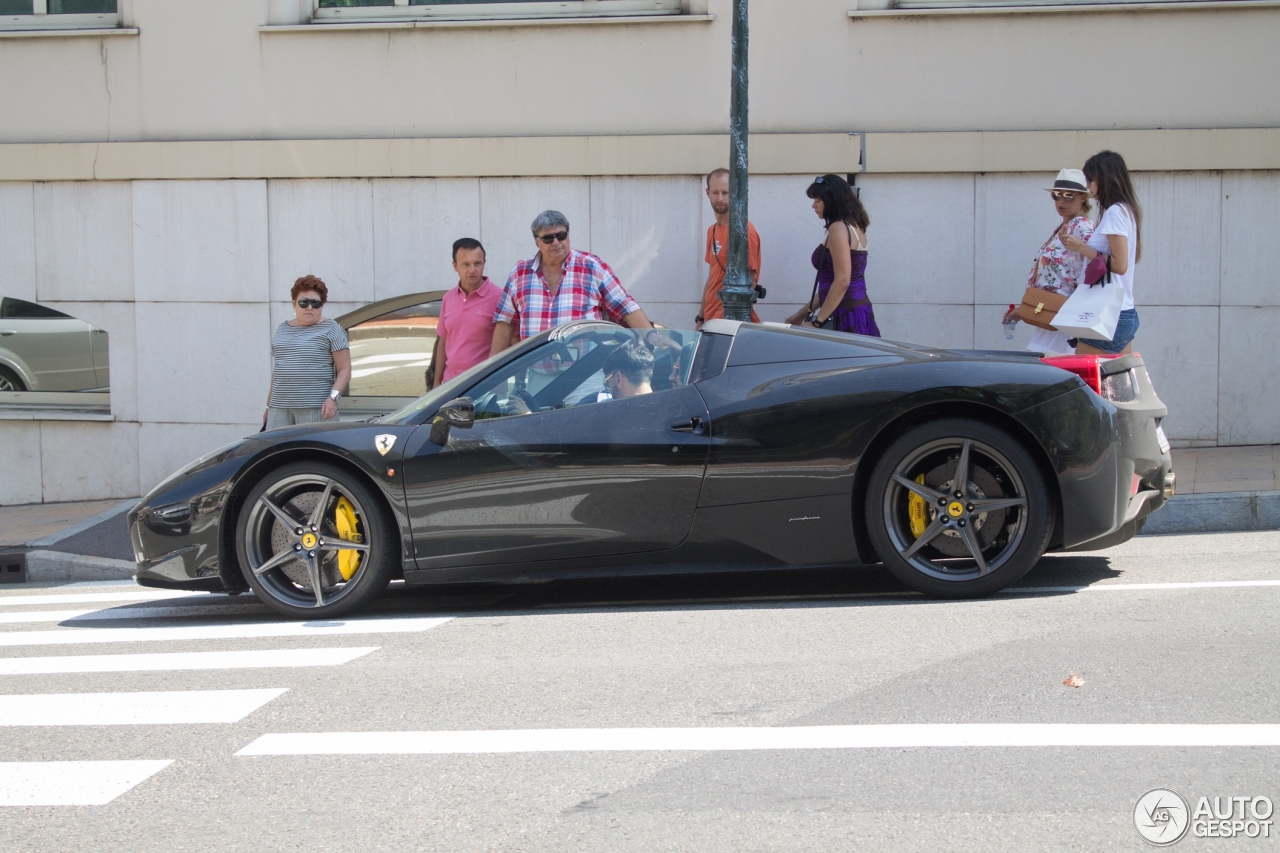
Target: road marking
point(164, 662)
point(132, 613)
point(797, 737)
point(71, 783)
point(86, 597)
point(1121, 587)
point(133, 709)
point(240, 631)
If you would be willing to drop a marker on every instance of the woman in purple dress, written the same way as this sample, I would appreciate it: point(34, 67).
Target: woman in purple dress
point(841, 291)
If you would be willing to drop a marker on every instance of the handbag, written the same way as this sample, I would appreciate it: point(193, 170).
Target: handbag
point(1092, 311)
point(1040, 306)
point(1098, 268)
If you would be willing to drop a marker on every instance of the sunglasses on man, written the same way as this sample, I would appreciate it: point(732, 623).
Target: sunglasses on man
point(309, 303)
point(548, 239)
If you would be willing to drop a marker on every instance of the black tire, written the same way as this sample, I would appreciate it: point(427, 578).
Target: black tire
point(1007, 510)
point(296, 554)
point(10, 381)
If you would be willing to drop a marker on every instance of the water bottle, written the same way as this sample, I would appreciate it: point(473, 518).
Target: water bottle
point(1009, 325)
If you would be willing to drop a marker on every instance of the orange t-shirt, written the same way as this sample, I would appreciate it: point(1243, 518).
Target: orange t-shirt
point(718, 258)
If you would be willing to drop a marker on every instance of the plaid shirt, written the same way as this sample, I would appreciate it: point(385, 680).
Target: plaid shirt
point(588, 290)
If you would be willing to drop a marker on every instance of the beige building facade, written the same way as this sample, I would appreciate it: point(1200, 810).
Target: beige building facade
point(169, 168)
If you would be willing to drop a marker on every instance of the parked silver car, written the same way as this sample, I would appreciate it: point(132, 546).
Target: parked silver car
point(45, 350)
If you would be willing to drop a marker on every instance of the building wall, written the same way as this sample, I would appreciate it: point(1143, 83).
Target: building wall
point(218, 71)
point(190, 277)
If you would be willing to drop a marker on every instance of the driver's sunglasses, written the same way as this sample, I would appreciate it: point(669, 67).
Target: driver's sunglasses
point(562, 236)
point(1065, 195)
point(309, 303)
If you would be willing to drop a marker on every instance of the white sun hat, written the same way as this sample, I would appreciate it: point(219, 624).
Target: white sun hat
point(1071, 180)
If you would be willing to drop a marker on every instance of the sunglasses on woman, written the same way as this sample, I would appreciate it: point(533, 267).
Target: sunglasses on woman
point(548, 239)
point(1065, 195)
point(309, 303)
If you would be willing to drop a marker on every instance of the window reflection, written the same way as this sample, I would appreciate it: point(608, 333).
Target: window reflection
point(391, 355)
point(44, 350)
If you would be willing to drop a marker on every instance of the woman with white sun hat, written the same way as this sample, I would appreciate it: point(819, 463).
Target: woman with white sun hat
point(1058, 268)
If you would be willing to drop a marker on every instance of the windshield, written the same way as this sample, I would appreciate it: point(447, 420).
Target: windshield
point(455, 386)
point(563, 368)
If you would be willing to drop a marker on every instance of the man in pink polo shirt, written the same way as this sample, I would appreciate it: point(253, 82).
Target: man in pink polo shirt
point(465, 328)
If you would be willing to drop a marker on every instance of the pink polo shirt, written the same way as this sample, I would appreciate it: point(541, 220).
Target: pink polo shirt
point(466, 324)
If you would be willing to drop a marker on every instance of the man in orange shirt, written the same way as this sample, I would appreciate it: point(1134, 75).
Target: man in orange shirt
point(718, 249)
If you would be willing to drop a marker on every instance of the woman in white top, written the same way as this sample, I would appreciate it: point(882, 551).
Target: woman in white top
point(1118, 234)
point(1056, 268)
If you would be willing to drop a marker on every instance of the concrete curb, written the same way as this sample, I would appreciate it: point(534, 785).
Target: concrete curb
point(1216, 513)
point(53, 566)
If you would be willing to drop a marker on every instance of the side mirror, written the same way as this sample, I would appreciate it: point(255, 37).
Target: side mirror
point(460, 413)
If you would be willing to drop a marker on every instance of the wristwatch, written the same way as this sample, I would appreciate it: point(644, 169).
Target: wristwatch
point(334, 395)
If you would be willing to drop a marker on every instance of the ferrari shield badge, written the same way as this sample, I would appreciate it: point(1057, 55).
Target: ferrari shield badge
point(384, 443)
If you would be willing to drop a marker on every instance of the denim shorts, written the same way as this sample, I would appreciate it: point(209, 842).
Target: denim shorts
point(1126, 328)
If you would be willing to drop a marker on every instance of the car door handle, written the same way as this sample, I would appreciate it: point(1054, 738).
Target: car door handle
point(4, 333)
point(694, 426)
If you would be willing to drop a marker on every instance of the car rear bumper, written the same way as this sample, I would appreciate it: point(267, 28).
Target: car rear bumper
point(1111, 467)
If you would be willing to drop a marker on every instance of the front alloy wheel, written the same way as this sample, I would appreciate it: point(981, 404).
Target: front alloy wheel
point(314, 541)
point(958, 508)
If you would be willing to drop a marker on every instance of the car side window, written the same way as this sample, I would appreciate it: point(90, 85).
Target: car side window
point(580, 366)
point(392, 354)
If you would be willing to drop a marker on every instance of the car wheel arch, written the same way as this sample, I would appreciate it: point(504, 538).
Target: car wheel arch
point(229, 562)
point(888, 432)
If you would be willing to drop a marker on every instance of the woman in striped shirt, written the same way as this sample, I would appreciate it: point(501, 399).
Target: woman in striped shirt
point(310, 361)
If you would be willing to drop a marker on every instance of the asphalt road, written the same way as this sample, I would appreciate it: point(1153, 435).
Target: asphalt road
point(695, 672)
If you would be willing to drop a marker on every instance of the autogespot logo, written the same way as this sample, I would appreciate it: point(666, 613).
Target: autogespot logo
point(1161, 816)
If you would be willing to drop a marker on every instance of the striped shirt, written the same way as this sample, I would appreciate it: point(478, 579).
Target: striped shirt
point(302, 364)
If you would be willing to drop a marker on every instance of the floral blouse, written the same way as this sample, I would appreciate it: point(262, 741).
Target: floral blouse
point(1056, 268)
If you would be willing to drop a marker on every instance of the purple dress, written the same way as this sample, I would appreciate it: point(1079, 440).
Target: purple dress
point(854, 313)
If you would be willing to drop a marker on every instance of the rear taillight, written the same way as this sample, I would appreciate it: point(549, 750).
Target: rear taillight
point(1087, 367)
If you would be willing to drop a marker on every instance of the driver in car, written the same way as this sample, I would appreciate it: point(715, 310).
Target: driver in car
point(628, 371)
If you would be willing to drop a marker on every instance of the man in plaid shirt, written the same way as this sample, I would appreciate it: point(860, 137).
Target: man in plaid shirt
point(559, 285)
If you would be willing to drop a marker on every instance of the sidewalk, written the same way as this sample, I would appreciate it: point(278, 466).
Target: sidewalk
point(1211, 470)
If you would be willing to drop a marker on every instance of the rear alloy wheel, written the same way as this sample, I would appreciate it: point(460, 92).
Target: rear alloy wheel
point(314, 541)
point(958, 509)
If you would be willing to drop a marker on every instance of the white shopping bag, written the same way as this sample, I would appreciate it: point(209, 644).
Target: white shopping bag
point(1091, 312)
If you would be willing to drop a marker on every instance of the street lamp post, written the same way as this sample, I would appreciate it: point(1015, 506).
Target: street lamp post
point(738, 291)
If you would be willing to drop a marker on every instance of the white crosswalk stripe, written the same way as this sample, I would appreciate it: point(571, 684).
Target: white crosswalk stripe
point(71, 783)
point(909, 736)
point(85, 615)
point(133, 709)
point(85, 597)
point(233, 631)
point(171, 661)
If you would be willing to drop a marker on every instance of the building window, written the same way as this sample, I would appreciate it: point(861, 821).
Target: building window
point(51, 361)
point(330, 11)
point(59, 14)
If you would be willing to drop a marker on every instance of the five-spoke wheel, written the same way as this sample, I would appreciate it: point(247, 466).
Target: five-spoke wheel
point(313, 540)
point(958, 508)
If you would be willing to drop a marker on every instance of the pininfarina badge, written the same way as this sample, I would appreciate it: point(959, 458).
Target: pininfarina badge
point(384, 443)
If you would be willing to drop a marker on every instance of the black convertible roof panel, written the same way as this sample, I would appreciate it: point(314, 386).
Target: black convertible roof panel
point(756, 345)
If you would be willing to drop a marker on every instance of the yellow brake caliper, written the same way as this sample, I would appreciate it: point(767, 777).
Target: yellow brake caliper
point(915, 511)
point(344, 520)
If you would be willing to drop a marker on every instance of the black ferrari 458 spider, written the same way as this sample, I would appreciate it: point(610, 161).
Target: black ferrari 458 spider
point(758, 445)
